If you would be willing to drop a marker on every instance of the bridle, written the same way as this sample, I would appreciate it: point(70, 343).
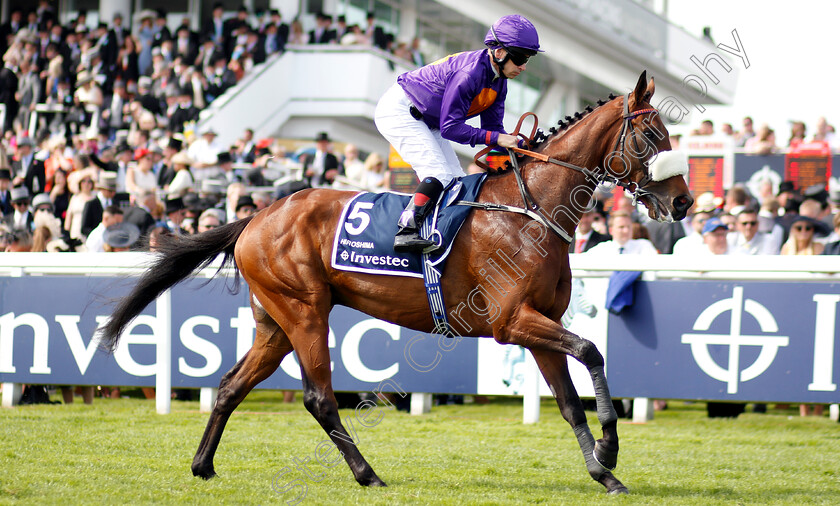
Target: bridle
point(533, 209)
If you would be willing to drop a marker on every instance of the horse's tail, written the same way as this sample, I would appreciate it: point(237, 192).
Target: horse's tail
point(178, 257)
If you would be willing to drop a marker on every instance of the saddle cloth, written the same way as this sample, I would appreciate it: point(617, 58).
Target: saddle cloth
point(364, 238)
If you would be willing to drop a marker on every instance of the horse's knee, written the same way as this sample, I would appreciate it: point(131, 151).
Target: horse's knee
point(589, 355)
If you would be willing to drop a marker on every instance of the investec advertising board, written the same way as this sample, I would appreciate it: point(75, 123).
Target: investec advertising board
point(750, 341)
point(47, 324)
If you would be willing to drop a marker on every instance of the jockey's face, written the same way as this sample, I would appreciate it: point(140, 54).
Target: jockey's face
point(510, 69)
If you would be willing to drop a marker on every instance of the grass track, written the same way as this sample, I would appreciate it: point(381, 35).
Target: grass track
point(121, 452)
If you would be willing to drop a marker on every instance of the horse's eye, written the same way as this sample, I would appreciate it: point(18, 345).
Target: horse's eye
point(649, 134)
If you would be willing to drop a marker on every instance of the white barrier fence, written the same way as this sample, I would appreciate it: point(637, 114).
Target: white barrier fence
point(769, 268)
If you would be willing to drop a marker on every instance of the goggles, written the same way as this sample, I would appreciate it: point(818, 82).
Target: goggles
point(517, 56)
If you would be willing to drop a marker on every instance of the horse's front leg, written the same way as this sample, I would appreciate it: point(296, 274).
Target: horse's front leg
point(535, 331)
point(555, 370)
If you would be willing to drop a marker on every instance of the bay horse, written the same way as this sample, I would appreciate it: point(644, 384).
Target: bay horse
point(283, 253)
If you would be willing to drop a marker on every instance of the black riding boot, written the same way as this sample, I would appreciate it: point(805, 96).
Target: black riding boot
point(422, 203)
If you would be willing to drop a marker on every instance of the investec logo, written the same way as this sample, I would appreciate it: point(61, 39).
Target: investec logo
point(768, 341)
point(378, 260)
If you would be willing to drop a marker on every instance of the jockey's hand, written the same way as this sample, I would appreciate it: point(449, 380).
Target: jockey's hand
point(508, 141)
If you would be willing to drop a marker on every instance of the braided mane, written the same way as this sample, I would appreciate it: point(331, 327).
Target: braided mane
point(565, 124)
point(562, 126)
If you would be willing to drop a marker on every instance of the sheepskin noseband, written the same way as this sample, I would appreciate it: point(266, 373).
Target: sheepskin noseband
point(668, 164)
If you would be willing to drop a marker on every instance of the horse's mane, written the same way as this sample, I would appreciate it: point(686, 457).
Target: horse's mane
point(562, 127)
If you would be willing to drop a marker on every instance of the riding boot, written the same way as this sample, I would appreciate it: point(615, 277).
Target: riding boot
point(424, 201)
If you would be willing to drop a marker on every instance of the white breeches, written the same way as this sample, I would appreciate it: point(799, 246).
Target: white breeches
point(428, 153)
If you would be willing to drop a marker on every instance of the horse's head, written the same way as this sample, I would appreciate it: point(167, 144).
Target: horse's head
point(642, 160)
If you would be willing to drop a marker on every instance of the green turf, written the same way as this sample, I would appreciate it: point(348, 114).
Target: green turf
point(121, 452)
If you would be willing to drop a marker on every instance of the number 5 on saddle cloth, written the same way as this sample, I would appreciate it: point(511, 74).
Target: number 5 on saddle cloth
point(364, 239)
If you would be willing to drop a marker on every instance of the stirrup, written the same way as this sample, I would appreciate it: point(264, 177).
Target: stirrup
point(409, 240)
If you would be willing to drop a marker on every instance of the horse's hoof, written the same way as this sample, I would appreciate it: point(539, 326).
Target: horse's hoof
point(622, 490)
point(606, 457)
point(373, 482)
point(377, 483)
point(204, 474)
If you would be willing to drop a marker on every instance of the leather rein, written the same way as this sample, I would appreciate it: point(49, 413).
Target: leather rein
point(532, 208)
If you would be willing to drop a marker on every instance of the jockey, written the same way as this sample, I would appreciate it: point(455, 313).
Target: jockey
point(428, 107)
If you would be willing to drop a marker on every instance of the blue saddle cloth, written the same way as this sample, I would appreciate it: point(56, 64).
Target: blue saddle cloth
point(364, 239)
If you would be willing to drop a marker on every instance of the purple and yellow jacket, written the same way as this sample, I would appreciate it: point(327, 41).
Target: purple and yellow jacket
point(456, 88)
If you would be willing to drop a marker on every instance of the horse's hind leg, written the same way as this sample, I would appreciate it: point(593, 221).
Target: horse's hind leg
point(320, 401)
point(555, 370)
point(270, 346)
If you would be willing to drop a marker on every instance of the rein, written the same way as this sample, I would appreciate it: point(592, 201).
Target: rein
point(533, 209)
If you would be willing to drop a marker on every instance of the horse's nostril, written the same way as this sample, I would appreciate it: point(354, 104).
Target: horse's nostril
point(683, 202)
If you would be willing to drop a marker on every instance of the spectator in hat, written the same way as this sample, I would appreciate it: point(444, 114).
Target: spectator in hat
point(185, 47)
point(214, 28)
point(323, 166)
point(245, 207)
point(141, 177)
point(115, 160)
point(204, 152)
point(801, 240)
point(27, 170)
point(6, 207)
point(106, 191)
point(85, 193)
point(161, 31)
point(225, 161)
point(88, 91)
point(183, 180)
point(22, 217)
point(175, 214)
point(714, 232)
point(120, 237)
point(95, 241)
point(184, 112)
point(233, 27)
point(167, 173)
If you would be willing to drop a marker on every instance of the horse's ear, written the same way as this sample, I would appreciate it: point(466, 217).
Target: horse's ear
point(649, 92)
point(641, 87)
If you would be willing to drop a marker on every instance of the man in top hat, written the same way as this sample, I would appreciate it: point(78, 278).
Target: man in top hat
point(26, 169)
point(5, 195)
point(175, 214)
point(106, 191)
point(22, 216)
point(245, 207)
point(225, 161)
point(321, 168)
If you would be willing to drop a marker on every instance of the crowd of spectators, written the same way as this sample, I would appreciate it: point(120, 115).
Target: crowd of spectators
point(113, 160)
point(778, 221)
point(763, 141)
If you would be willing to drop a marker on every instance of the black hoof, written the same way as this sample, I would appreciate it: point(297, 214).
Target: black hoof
point(202, 473)
point(606, 457)
point(374, 481)
point(611, 483)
